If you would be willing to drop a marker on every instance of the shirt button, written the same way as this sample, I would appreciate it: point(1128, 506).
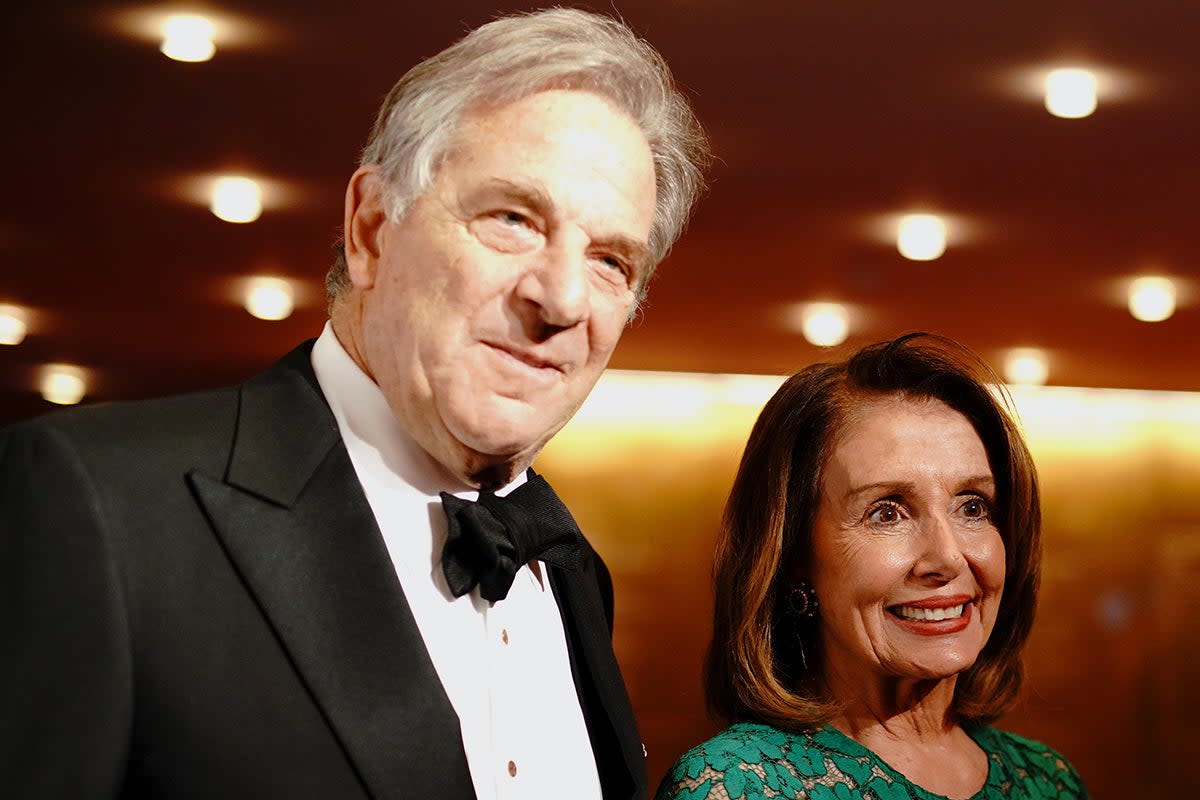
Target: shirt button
point(504, 638)
point(512, 769)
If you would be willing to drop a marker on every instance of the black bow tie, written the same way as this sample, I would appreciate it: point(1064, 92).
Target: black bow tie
point(489, 540)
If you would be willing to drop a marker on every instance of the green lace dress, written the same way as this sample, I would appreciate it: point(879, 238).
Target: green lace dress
point(752, 761)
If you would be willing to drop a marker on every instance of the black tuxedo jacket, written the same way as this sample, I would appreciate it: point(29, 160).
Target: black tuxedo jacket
point(199, 604)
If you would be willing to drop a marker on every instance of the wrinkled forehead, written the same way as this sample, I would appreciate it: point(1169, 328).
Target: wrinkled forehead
point(552, 112)
point(575, 147)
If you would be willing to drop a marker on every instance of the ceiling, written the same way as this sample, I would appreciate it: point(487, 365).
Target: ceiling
point(826, 117)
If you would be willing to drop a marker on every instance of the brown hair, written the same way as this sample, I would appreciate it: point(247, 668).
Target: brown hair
point(755, 667)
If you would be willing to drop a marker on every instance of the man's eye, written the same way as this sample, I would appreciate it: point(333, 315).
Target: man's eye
point(514, 218)
point(506, 231)
point(615, 263)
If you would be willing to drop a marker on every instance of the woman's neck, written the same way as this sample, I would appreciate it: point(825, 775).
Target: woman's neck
point(911, 726)
point(875, 705)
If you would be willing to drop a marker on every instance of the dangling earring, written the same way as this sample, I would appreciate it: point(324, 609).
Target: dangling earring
point(802, 601)
point(802, 607)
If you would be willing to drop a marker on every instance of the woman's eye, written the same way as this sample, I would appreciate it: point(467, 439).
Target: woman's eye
point(514, 218)
point(885, 514)
point(976, 508)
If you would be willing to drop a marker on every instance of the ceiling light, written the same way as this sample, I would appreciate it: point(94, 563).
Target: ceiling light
point(236, 198)
point(188, 37)
point(1026, 366)
point(269, 298)
point(1071, 92)
point(14, 324)
point(825, 324)
point(236, 193)
point(1152, 299)
point(191, 34)
point(62, 384)
point(921, 237)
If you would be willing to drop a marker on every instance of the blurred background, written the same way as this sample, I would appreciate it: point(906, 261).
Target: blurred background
point(1019, 176)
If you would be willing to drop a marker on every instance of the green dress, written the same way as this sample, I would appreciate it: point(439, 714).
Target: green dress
point(751, 760)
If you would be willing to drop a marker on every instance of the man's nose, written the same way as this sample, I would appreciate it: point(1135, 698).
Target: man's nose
point(555, 289)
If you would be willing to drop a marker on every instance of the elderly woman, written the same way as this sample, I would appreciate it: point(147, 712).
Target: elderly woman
point(876, 578)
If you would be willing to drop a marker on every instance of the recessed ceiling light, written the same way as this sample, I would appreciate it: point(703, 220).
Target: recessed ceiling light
point(1026, 366)
point(63, 384)
point(236, 198)
point(1152, 298)
point(1071, 92)
point(14, 324)
point(921, 237)
point(269, 298)
point(921, 232)
point(188, 37)
point(824, 324)
point(191, 34)
point(236, 193)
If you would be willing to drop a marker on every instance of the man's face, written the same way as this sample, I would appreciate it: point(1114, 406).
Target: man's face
point(490, 309)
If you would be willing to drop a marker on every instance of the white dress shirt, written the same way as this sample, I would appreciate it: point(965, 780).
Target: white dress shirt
point(504, 667)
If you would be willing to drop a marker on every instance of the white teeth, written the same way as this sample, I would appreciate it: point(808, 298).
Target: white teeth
point(933, 614)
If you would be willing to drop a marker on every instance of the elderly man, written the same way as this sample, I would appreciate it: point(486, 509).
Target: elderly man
point(342, 579)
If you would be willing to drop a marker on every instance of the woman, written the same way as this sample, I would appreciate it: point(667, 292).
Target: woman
point(876, 578)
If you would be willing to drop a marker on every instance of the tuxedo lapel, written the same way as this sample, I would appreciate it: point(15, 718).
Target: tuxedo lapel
point(611, 725)
point(294, 520)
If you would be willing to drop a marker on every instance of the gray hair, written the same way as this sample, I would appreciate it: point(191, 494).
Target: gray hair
point(516, 56)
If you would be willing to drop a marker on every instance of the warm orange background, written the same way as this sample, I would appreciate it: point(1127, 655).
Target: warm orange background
point(1113, 659)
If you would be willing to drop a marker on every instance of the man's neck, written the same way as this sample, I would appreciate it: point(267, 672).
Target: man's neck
point(473, 469)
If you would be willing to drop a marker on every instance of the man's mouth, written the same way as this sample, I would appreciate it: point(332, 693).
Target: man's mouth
point(526, 358)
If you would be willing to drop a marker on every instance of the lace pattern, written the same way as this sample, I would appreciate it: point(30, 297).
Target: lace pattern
point(749, 761)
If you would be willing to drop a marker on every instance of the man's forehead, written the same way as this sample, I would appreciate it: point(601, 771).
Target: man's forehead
point(581, 120)
point(567, 150)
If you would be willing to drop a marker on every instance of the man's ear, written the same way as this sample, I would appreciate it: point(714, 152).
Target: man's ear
point(365, 216)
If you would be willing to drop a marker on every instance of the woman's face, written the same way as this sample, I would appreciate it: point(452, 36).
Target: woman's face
point(908, 564)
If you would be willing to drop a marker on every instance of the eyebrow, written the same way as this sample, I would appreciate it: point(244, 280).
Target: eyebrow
point(527, 194)
point(892, 487)
point(633, 251)
point(907, 487)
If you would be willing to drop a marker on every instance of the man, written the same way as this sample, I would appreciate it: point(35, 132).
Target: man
point(285, 589)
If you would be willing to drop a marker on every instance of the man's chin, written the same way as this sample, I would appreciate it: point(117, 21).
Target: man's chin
point(492, 462)
point(501, 442)
point(495, 470)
